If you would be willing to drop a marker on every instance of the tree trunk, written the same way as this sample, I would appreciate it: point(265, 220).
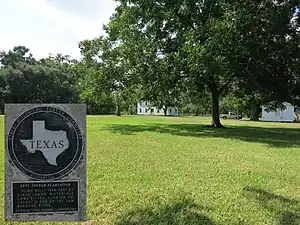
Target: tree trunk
point(215, 109)
point(165, 111)
point(118, 110)
point(118, 104)
point(254, 112)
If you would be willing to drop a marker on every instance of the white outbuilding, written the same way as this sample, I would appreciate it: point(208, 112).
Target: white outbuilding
point(285, 115)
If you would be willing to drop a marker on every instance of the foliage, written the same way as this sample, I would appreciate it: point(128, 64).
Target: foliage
point(172, 47)
point(231, 103)
point(268, 50)
point(13, 58)
point(26, 80)
point(195, 103)
point(29, 84)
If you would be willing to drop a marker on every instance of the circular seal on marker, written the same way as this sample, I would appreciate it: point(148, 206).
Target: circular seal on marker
point(45, 143)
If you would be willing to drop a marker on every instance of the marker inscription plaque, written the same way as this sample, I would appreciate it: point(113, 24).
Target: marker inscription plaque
point(45, 162)
point(40, 197)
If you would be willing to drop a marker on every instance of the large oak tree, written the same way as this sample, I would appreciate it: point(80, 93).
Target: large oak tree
point(208, 45)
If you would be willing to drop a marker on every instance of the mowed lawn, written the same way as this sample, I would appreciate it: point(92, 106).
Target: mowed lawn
point(167, 170)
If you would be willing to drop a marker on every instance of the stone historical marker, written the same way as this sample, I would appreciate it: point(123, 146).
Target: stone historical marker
point(45, 162)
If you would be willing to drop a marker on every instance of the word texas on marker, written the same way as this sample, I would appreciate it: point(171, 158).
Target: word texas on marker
point(56, 142)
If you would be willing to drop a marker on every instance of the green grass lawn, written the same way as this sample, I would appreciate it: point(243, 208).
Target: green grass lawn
point(166, 170)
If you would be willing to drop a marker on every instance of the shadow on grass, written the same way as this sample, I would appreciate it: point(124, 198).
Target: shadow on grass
point(275, 137)
point(184, 212)
point(286, 210)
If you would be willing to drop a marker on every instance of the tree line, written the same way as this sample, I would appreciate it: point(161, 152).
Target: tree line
point(201, 56)
point(58, 79)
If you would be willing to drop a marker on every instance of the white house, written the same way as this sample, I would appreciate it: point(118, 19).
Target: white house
point(286, 115)
point(145, 108)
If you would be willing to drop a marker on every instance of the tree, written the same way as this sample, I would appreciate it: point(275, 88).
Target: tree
point(37, 84)
point(160, 85)
point(115, 78)
point(145, 34)
point(268, 51)
point(205, 37)
point(19, 54)
point(26, 80)
point(212, 44)
point(194, 102)
point(231, 102)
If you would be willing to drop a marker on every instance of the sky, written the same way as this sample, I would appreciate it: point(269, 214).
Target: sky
point(52, 26)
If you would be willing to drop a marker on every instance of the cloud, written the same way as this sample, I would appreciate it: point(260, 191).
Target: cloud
point(44, 28)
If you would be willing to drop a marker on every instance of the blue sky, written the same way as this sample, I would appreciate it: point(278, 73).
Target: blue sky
point(52, 26)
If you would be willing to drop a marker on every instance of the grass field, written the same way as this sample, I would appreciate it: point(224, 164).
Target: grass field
point(157, 170)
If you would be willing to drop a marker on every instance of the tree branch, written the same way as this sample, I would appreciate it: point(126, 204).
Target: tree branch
point(225, 85)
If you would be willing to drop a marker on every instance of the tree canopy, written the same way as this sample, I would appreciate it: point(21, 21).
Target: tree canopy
point(170, 47)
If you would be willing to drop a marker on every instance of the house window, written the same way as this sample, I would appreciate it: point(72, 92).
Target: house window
point(170, 110)
point(146, 110)
point(146, 103)
point(158, 111)
point(140, 110)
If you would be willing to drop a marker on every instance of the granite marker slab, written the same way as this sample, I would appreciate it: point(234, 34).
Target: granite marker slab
point(45, 162)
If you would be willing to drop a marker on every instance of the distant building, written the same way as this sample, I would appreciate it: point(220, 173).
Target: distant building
point(145, 108)
point(286, 115)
